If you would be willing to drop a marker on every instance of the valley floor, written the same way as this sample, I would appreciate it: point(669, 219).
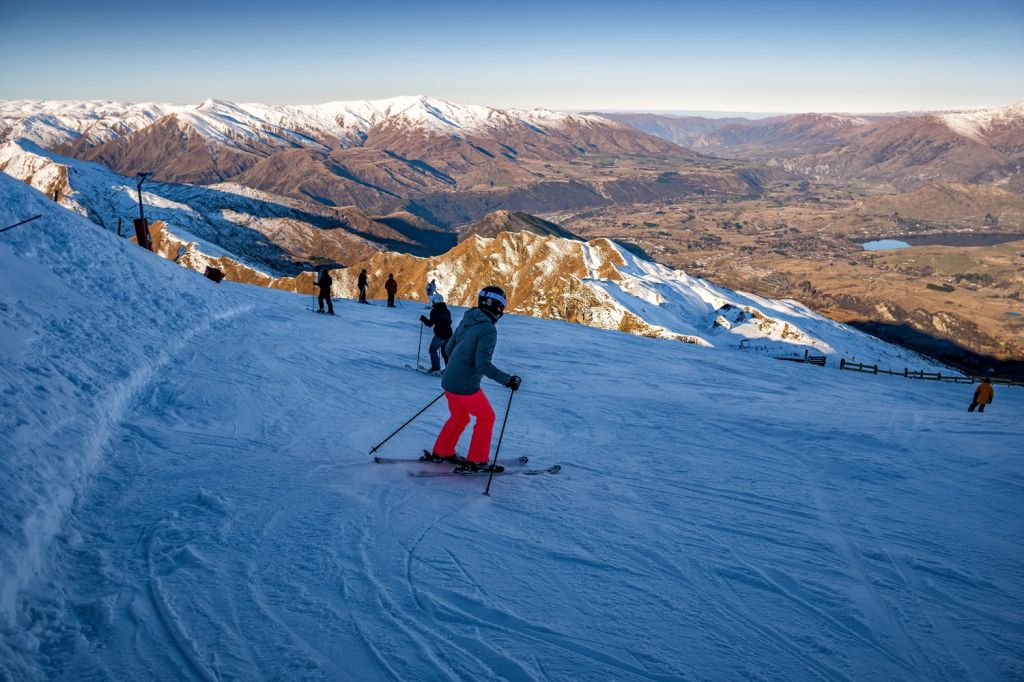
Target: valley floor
point(717, 517)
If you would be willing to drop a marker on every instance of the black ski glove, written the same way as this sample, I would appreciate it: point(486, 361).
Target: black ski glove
point(514, 382)
point(423, 319)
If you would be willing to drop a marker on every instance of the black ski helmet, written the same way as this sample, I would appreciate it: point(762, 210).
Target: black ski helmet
point(492, 300)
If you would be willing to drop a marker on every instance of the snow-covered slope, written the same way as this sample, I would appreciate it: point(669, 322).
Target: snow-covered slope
point(187, 494)
point(66, 289)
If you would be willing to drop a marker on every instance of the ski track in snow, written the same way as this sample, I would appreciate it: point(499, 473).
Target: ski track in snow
point(718, 516)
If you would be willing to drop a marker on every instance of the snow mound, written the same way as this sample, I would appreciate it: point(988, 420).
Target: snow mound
point(88, 320)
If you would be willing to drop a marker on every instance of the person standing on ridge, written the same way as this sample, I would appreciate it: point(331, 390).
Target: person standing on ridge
point(362, 286)
point(440, 321)
point(391, 286)
point(324, 284)
point(469, 359)
point(982, 395)
point(431, 290)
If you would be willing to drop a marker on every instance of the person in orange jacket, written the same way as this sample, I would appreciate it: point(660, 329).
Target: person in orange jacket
point(982, 395)
point(391, 286)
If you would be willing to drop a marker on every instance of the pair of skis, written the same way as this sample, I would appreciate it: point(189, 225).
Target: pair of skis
point(519, 460)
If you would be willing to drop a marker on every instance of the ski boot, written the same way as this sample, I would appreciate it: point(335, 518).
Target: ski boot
point(429, 456)
point(468, 467)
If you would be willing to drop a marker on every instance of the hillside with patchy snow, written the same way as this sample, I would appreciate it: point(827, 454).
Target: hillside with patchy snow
point(188, 494)
point(601, 284)
point(901, 150)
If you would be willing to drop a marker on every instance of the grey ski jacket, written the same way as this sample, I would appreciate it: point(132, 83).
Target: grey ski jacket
point(469, 354)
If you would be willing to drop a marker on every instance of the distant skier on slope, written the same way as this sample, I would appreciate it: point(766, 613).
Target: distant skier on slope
point(362, 286)
point(982, 395)
point(469, 360)
point(391, 286)
point(440, 321)
point(323, 283)
point(431, 290)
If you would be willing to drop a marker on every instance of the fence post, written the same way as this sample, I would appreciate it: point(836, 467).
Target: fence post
point(939, 375)
point(875, 367)
point(842, 363)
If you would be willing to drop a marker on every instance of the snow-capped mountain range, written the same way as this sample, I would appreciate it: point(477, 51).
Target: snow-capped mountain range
point(448, 163)
point(248, 125)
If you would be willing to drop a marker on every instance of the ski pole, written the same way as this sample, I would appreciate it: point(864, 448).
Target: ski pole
point(11, 227)
point(377, 446)
point(419, 348)
point(498, 449)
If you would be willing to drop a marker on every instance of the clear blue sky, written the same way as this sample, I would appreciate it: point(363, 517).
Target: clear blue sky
point(727, 55)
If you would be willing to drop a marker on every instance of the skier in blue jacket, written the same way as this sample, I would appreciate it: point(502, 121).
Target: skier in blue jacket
point(469, 359)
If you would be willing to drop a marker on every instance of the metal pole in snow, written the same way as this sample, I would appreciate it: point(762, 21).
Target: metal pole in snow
point(377, 446)
point(142, 178)
point(419, 348)
point(498, 449)
point(11, 227)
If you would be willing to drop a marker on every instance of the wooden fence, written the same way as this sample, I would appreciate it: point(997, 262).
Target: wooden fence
point(927, 376)
point(818, 360)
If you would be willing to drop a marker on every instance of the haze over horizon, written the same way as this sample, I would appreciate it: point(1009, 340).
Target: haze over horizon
point(658, 56)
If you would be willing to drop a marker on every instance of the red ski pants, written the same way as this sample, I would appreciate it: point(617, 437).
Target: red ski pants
point(462, 407)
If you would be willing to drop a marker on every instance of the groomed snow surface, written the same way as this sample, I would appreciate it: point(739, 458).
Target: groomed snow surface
point(187, 494)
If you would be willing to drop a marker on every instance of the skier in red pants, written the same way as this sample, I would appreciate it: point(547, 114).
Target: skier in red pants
point(469, 360)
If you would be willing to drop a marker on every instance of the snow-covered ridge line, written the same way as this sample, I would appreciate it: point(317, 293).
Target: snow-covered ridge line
point(53, 122)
